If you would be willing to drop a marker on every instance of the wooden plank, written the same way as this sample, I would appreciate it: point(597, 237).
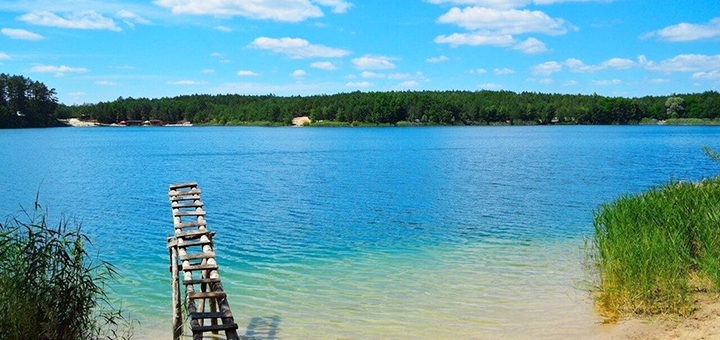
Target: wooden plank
point(190, 235)
point(196, 281)
point(182, 185)
point(188, 213)
point(206, 295)
point(211, 315)
point(184, 198)
point(197, 256)
point(176, 205)
point(194, 244)
point(210, 328)
point(200, 267)
point(184, 192)
point(190, 224)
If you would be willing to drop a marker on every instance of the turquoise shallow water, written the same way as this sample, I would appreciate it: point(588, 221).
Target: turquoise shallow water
point(387, 233)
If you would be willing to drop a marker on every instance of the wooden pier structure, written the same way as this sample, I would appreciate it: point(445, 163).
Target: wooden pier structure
point(193, 264)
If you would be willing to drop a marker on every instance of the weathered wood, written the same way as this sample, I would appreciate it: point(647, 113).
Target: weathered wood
point(192, 235)
point(188, 213)
point(206, 295)
point(197, 256)
point(185, 192)
point(194, 243)
point(183, 185)
point(200, 267)
point(187, 197)
point(198, 204)
point(223, 327)
point(177, 312)
point(198, 281)
point(190, 224)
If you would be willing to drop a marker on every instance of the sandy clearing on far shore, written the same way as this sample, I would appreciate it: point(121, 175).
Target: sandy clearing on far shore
point(78, 123)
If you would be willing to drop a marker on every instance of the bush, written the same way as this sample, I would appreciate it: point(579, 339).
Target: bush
point(50, 288)
point(647, 247)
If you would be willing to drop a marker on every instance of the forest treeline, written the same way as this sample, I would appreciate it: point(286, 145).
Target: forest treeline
point(26, 103)
point(426, 107)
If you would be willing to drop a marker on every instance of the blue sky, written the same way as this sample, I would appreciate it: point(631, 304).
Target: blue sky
point(93, 50)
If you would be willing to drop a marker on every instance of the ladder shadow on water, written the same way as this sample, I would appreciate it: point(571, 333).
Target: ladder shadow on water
point(262, 328)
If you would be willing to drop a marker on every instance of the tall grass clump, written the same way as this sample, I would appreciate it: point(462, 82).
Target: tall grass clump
point(648, 247)
point(50, 288)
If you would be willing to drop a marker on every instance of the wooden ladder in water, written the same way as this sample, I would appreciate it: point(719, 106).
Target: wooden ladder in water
point(192, 253)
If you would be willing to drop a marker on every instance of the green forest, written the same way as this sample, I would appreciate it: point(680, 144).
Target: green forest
point(27, 103)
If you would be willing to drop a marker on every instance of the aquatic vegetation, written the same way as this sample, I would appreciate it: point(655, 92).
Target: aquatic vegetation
point(650, 249)
point(49, 286)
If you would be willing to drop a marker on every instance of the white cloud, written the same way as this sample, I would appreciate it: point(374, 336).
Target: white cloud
point(439, 59)
point(659, 81)
point(297, 48)
point(686, 63)
point(186, 82)
point(401, 75)
point(490, 86)
point(77, 94)
point(570, 83)
point(503, 71)
point(478, 71)
point(299, 73)
point(687, 32)
point(223, 29)
point(324, 65)
point(547, 68)
point(130, 18)
point(89, 20)
point(57, 70)
point(359, 84)
point(105, 83)
point(715, 74)
point(373, 62)
point(618, 63)
point(607, 82)
point(21, 34)
point(503, 22)
point(247, 73)
point(408, 83)
point(498, 4)
point(531, 46)
point(277, 10)
point(474, 39)
point(576, 65)
point(368, 74)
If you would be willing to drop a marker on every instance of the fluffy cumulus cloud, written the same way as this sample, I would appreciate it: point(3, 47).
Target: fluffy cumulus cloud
point(547, 68)
point(277, 10)
point(713, 75)
point(57, 70)
point(130, 18)
point(359, 84)
point(688, 32)
point(297, 48)
point(247, 73)
point(324, 65)
point(503, 71)
point(4, 56)
point(89, 20)
point(299, 73)
point(20, 34)
point(686, 63)
point(373, 62)
point(499, 26)
point(439, 59)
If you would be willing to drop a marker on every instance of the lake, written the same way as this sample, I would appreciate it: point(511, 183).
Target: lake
point(357, 233)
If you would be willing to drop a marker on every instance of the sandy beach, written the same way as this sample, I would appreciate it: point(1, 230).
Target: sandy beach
point(79, 123)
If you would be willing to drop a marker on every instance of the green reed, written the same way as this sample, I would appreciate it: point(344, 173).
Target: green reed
point(50, 288)
point(648, 247)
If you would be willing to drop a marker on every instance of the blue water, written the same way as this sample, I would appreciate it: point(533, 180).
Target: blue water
point(357, 233)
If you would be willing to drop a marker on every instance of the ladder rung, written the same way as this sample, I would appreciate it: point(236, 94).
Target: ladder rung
point(200, 267)
point(190, 224)
point(210, 328)
point(176, 205)
point(206, 295)
point(193, 244)
point(197, 281)
point(194, 191)
point(197, 256)
point(211, 315)
point(189, 213)
point(182, 185)
point(193, 234)
point(184, 198)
